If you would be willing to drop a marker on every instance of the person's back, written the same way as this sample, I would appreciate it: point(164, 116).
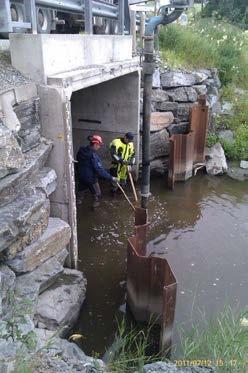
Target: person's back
point(90, 168)
point(85, 169)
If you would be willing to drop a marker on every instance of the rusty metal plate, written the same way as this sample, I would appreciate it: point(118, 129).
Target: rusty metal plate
point(199, 117)
point(151, 285)
point(181, 158)
point(140, 215)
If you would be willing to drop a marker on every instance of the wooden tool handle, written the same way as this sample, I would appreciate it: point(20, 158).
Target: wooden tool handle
point(128, 200)
point(133, 187)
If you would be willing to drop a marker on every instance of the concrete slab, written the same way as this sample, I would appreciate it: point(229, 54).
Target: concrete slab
point(92, 75)
point(39, 56)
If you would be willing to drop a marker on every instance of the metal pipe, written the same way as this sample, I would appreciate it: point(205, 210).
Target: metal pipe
point(148, 70)
point(163, 19)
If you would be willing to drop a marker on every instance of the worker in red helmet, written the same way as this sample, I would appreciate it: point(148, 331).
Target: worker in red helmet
point(90, 168)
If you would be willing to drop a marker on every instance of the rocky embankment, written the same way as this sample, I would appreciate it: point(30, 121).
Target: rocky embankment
point(173, 95)
point(39, 297)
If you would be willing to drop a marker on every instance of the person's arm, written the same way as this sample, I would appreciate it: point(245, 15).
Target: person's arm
point(131, 159)
point(98, 167)
point(115, 155)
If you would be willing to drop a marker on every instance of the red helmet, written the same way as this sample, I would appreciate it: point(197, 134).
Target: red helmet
point(95, 139)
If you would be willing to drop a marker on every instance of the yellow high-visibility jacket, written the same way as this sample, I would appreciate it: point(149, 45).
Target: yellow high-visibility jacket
point(121, 152)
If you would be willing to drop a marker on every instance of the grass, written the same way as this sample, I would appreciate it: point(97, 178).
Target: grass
point(130, 350)
point(223, 342)
point(238, 123)
point(206, 42)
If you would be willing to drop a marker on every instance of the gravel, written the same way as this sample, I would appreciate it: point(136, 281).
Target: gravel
point(9, 76)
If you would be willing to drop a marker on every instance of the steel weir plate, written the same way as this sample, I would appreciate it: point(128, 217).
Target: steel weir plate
point(151, 284)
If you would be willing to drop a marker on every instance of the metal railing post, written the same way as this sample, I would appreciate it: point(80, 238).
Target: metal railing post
point(121, 17)
point(88, 17)
point(31, 16)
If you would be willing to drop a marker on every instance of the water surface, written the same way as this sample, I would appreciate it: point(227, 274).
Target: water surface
point(201, 228)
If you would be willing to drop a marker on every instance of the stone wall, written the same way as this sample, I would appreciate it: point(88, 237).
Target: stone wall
point(37, 292)
point(174, 93)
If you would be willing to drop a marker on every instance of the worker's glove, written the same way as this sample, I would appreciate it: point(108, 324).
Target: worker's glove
point(114, 180)
point(131, 162)
point(124, 162)
point(129, 168)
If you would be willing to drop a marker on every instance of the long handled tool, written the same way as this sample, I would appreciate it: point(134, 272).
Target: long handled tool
point(133, 187)
point(128, 200)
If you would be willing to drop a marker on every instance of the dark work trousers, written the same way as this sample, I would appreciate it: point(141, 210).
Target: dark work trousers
point(93, 188)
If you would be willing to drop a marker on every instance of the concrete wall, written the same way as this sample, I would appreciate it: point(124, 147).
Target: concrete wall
point(56, 125)
point(110, 109)
point(43, 55)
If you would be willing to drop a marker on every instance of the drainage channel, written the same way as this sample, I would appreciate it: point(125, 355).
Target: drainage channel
point(200, 228)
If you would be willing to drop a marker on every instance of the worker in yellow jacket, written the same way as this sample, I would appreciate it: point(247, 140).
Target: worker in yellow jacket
point(123, 158)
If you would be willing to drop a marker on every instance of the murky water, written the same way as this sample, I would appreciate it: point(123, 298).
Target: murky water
point(201, 228)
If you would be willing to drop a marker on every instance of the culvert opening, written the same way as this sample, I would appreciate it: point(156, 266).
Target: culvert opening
point(109, 109)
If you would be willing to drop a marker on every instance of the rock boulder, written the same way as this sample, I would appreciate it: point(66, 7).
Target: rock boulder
point(22, 222)
point(173, 79)
point(160, 120)
point(216, 160)
point(11, 157)
point(59, 306)
point(7, 284)
point(183, 94)
point(35, 159)
point(160, 144)
point(54, 239)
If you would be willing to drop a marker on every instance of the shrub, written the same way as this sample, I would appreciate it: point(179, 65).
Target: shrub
point(207, 43)
point(235, 10)
point(241, 141)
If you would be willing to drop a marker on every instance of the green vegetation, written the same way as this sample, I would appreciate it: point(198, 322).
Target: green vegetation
point(213, 42)
point(16, 320)
point(224, 341)
point(238, 123)
point(130, 350)
point(221, 342)
point(236, 11)
point(207, 42)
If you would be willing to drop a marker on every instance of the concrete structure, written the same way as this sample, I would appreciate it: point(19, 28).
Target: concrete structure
point(42, 55)
point(86, 84)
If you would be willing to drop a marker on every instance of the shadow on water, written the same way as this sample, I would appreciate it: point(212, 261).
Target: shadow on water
point(201, 228)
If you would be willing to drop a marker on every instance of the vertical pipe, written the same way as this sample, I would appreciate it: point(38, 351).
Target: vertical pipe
point(121, 17)
point(148, 69)
point(133, 30)
point(142, 29)
point(88, 17)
